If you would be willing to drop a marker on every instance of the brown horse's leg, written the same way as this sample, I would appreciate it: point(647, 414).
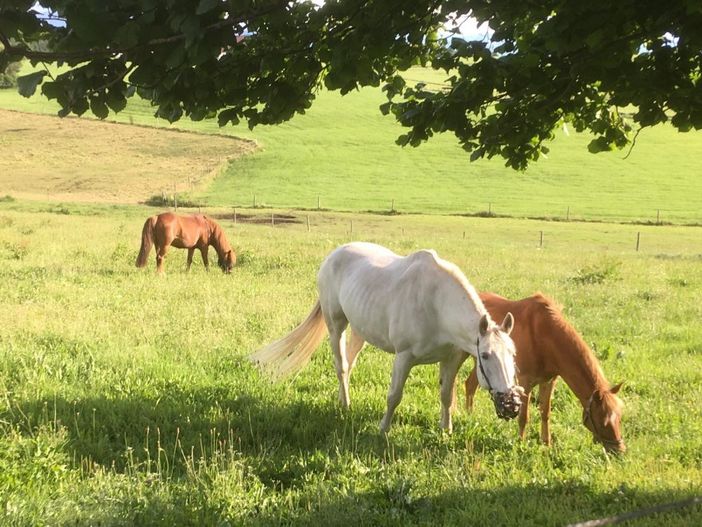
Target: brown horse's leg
point(471, 386)
point(191, 251)
point(545, 393)
point(523, 418)
point(160, 256)
point(203, 252)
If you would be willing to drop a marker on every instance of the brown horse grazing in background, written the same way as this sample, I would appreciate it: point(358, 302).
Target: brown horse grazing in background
point(185, 232)
point(548, 347)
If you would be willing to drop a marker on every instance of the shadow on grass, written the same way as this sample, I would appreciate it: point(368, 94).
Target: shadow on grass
point(555, 505)
point(281, 441)
point(132, 430)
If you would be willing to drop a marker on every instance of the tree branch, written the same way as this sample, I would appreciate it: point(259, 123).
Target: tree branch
point(51, 56)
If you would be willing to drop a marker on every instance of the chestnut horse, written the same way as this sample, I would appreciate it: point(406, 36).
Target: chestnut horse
point(548, 347)
point(185, 232)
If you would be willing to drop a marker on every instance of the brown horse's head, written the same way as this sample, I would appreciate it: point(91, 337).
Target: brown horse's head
point(602, 415)
point(227, 260)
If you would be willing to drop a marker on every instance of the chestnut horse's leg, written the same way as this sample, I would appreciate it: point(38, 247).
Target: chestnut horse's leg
point(203, 252)
point(545, 393)
point(471, 386)
point(191, 251)
point(160, 256)
point(523, 418)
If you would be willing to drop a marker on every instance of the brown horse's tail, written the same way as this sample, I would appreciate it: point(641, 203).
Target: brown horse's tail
point(147, 241)
point(291, 353)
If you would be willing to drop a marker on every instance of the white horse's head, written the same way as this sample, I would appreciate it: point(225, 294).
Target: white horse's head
point(497, 371)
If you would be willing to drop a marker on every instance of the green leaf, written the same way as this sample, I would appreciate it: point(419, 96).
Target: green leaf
point(226, 116)
point(206, 5)
point(116, 100)
point(27, 84)
point(597, 145)
point(99, 108)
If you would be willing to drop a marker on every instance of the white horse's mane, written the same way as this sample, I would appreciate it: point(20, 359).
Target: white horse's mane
point(455, 272)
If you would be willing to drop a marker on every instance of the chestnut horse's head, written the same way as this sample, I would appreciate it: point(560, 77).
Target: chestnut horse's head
point(602, 415)
point(226, 261)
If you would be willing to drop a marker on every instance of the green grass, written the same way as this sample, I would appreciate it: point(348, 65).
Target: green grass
point(342, 153)
point(127, 399)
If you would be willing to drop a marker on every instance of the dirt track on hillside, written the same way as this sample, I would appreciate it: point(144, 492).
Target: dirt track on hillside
point(77, 159)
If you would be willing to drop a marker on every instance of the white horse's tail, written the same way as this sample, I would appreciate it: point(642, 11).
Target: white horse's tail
point(292, 353)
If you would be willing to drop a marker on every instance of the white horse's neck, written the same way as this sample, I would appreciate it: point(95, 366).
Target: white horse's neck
point(463, 300)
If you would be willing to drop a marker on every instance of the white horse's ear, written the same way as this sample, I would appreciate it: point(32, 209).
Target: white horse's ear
point(483, 326)
point(508, 323)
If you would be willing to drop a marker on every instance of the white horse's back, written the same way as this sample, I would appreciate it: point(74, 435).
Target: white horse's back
point(392, 300)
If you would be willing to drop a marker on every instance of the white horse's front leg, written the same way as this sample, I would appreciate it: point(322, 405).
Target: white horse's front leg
point(400, 371)
point(448, 369)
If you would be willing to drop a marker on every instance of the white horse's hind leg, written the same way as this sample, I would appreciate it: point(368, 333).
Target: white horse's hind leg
point(400, 371)
point(337, 339)
point(448, 369)
point(356, 343)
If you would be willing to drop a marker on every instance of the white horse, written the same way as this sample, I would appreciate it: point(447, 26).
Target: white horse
point(420, 307)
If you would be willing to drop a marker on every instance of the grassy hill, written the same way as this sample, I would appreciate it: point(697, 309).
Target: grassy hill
point(342, 152)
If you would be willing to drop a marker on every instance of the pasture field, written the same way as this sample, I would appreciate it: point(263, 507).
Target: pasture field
point(127, 399)
point(87, 160)
point(342, 152)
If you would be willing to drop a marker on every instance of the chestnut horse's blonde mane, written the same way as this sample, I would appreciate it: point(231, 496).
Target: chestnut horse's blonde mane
point(566, 337)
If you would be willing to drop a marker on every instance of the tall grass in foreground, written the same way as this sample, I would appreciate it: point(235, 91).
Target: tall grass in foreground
point(127, 399)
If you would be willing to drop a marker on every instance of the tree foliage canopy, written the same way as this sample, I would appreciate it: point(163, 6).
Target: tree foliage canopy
point(262, 61)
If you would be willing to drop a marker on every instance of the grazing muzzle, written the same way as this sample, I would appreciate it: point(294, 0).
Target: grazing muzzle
point(508, 404)
point(614, 445)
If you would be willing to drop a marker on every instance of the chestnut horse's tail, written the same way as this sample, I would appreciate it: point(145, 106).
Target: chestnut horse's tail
point(291, 353)
point(147, 241)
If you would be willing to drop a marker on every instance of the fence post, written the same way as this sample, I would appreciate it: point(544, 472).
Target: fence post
point(351, 227)
point(272, 219)
point(658, 217)
point(638, 240)
point(392, 206)
point(234, 215)
point(318, 203)
point(308, 223)
point(254, 202)
point(541, 239)
point(568, 214)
